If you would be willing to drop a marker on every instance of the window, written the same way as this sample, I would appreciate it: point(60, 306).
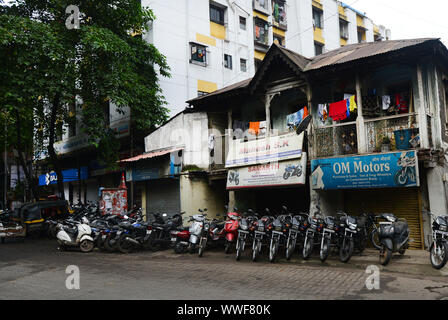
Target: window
point(242, 23)
point(243, 65)
point(279, 40)
point(343, 29)
point(279, 12)
point(198, 54)
point(216, 14)
point(361, 36)
point(227, 61)
point(261, 4)
point(261, 29)
point(318, 48)
point(317, 19)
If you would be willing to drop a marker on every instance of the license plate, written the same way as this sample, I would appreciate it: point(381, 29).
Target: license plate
point(173, 239)
point(242, 231)
point(148, 231)
point(260, 228)
point(295, 227)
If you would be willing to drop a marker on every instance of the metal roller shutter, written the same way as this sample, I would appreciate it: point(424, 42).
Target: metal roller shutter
point(403, 202)
point(163, 196)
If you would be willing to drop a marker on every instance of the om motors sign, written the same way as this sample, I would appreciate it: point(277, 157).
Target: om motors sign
point(385, 170)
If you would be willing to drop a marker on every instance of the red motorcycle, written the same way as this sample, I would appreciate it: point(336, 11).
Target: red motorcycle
point(179, 239)
point(231, 230)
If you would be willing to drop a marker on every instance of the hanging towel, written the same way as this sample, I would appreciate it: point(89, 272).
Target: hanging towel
point(352, 105)
point(305, 112)
point(262, 127)
point(323, 112)
point(386, 102)
point(254, 128)
point(401, 103)
point(338, 110)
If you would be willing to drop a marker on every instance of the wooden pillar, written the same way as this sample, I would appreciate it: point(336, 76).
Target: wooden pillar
point(422, 122)
point(267, 104)
point(360, 125)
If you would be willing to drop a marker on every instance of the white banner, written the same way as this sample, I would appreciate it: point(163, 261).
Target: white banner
point(266, 150)
point(290, 172)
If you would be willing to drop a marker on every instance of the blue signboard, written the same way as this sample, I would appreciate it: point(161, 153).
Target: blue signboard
point(142, 174)
point(67, 175)
point(385, 170)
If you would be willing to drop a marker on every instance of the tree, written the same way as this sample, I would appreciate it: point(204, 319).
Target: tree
point(105, 60)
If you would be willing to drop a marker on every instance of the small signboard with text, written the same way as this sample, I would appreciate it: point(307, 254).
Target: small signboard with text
point(283, 173)
point(385, 170)
point(267, 150)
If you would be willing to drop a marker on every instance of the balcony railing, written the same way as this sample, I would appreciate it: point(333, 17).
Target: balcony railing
point(395, 127)
point(338, 139)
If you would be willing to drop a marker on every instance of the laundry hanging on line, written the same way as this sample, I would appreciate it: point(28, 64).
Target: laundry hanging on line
point(294, 119)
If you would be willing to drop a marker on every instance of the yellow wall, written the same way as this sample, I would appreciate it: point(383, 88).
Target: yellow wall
point(205, 39)
point(217, 30)
point(278, 31)
point(259, 55)
point(317, 4)
point(318, 35)
point(359, 21)
point(206, 86)
point(260, 15)
point(343, 42)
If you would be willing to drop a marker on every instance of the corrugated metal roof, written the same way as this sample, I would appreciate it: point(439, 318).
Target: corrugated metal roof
point(150, 155)
point(235, 86)
point(358, 51)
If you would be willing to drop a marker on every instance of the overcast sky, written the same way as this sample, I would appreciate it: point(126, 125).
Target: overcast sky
point(408, 19)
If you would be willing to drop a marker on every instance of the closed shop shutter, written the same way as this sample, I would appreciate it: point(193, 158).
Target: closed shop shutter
point(163, 196)
point(402, 202)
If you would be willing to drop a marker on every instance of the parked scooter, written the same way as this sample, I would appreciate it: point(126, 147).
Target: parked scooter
point(391, 236)
point(196, 230)
point(75, 235)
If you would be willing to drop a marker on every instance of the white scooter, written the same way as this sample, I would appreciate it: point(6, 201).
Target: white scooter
point(196, 230)
point(76, 236)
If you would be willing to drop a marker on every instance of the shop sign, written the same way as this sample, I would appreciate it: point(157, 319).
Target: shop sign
point(385, 170)
point(142, 174)
point(67, 176)
point(267, 150)
point(284, 173)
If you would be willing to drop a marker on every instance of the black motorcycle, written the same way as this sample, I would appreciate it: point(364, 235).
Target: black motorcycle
point(161, 227)
point(245, 231)
point(390, 236)
point(296, 234)
point(346, 232)
point(313, 233)
point(438, 252)
point(260, 234)
point(278, 233)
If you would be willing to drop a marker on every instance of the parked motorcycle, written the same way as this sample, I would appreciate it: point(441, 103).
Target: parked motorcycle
point(391, 236)
point(438, 251)
point(160, 230)
point(260, 234)
point(313, 233)
point(231, 230)
point(245, 231)
point(347, 230)
point(180, 238)
point(295, 234)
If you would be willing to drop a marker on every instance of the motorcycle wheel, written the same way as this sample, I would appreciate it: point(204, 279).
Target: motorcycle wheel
point(123, 245)
point(290, 247)
point(86, 246)
point(238, 250)
point(325, 250)
point(99, 243)
point(273, 249)
point(255, 250)
point(227, 247)
point(438, 261)
point(191, 248)
point(308, 248)
point(346, 250)
point(402, 251)
point(202, 244)
point(385, 255)
point(178, 248)
point(375, 240)
point(108, 246)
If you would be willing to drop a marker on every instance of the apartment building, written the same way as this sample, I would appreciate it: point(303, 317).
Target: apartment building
point(212, 44)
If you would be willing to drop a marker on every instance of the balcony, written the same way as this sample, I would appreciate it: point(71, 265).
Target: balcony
point(337, 139)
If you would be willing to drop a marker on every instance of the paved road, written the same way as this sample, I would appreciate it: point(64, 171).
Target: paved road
point(34, 269)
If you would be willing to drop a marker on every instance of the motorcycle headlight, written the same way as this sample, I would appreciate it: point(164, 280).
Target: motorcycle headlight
point(244, 227)
point(352, 226)
point(443, 228)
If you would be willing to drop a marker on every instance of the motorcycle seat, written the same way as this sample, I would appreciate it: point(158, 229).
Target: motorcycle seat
point(400, 227)
point(70, 230)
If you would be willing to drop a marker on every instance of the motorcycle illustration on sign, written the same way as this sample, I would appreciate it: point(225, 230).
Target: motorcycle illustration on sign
point(234, 177)
point(292, 170)
point(407, 172)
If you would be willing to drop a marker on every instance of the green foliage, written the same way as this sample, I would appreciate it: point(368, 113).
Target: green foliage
point(102, 61)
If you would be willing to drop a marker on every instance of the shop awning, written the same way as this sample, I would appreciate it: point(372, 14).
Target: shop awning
point(149, 155)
